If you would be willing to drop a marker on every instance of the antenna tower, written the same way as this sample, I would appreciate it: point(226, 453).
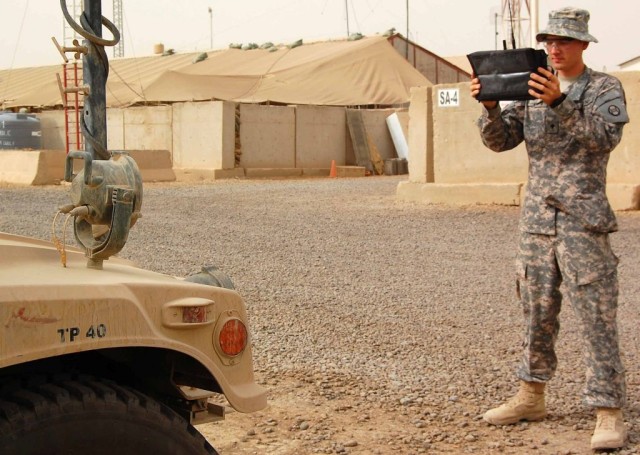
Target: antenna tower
point(118, 49)
point(516, 17)
point(75, 8)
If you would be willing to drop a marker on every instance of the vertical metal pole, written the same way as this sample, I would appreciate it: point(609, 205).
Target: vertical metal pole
point(346, 8)
point(210, 28)
point(535, 18)
point(407, 48)
point(95, 76)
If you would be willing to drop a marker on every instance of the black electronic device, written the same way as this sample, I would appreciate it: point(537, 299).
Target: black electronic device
point(504, 75)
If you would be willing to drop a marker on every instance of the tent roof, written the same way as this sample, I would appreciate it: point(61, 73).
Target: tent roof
point(339, 73)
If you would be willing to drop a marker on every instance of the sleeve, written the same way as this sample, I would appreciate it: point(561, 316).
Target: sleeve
point(502, 129)
point(599, 127)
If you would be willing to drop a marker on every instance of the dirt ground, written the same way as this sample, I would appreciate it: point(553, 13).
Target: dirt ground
point(378, 326)
point(300, 420)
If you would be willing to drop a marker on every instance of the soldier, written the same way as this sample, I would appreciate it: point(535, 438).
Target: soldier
point(570, 128)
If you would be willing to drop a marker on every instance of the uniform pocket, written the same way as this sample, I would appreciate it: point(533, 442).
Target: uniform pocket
point(587, 276)
point(521, 276)
point(592, 267)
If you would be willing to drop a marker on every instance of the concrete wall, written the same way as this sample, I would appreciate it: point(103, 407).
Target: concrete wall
point(306, 137)
point(420, 140)
point(321, 135)
point(449, 163)
point(267, 136)
point(203, 135)
point(375, 122)
point(115, 128)
point(53, 132)
point(459, 155)
point(624, 165)
point(134, 128)
point(200, 137)
point(148, 128)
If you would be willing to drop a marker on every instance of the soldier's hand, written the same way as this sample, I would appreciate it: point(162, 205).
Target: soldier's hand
point(545, 87)
point(475, 90)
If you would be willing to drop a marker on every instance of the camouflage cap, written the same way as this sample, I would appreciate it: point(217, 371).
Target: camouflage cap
point(568, 22)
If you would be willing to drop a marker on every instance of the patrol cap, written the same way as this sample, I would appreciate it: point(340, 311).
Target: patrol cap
point(568, 22)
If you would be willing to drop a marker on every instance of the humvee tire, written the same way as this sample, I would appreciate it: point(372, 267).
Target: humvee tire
point(87, 415)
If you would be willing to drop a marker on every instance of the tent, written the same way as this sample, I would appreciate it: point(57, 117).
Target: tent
point(342, 73)
point(368, 71)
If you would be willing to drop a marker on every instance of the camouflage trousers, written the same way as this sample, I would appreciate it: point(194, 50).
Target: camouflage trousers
point(584, 262)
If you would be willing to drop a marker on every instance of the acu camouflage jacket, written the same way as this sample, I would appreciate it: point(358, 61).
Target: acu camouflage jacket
point(568, 148)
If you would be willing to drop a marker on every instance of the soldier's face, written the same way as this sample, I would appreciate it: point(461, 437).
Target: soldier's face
point(566, 56)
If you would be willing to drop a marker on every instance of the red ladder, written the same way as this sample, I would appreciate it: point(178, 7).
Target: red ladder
point(74, 140)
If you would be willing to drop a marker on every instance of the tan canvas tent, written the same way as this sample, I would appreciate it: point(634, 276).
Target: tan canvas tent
point(342, 73)
point(336, 73)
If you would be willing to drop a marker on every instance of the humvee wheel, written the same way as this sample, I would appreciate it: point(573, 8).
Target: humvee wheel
point(95, 416)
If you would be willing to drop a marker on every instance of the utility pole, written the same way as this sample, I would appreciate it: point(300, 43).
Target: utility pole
point(346, 8)
point(535, 16)
point(210, 28)
point(406, 50)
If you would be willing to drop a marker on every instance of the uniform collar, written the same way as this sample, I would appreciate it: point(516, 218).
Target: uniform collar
point(576, 90)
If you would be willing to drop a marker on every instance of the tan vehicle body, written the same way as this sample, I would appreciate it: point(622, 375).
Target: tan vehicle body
point(97, 355)
point(121, 321)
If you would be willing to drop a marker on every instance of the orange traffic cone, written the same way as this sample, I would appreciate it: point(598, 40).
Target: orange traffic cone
point(333, 173)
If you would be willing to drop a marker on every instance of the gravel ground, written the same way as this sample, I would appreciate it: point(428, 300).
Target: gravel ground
point(379, 326)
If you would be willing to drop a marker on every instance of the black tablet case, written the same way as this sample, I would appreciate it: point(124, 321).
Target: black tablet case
point(504, 75)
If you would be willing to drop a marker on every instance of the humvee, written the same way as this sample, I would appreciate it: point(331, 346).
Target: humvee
point(98, 356)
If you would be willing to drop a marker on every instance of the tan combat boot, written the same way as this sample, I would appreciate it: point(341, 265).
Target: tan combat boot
point(527, 404)
point(610, 432)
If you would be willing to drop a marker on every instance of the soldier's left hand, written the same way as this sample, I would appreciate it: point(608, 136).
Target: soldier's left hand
point(545, 86)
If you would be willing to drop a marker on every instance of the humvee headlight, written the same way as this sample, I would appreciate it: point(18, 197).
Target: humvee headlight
point(233, 337)
point(194, 314)
point(188, 313)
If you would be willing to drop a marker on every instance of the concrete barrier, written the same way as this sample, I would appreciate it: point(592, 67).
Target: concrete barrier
point(53, 134)
point(46, 167)
point(449, 164)
point(31, 167)
point(154, 165)
point(201, 138)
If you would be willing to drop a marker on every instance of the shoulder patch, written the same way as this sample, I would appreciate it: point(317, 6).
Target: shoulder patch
point(614, 111)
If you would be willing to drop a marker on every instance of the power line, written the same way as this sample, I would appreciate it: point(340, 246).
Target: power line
point(15, 49)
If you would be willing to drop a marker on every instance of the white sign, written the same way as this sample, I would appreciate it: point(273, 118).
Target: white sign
point(448, 97)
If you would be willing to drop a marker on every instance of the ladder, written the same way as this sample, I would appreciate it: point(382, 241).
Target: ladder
point(71, 85)
point(72, 103)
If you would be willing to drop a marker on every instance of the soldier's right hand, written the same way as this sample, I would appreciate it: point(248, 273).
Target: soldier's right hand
point(475, 90)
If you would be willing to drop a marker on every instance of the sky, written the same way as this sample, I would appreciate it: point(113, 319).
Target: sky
point(445, 27)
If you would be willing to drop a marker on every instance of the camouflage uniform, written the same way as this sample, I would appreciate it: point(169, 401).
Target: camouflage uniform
point(565, 224)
